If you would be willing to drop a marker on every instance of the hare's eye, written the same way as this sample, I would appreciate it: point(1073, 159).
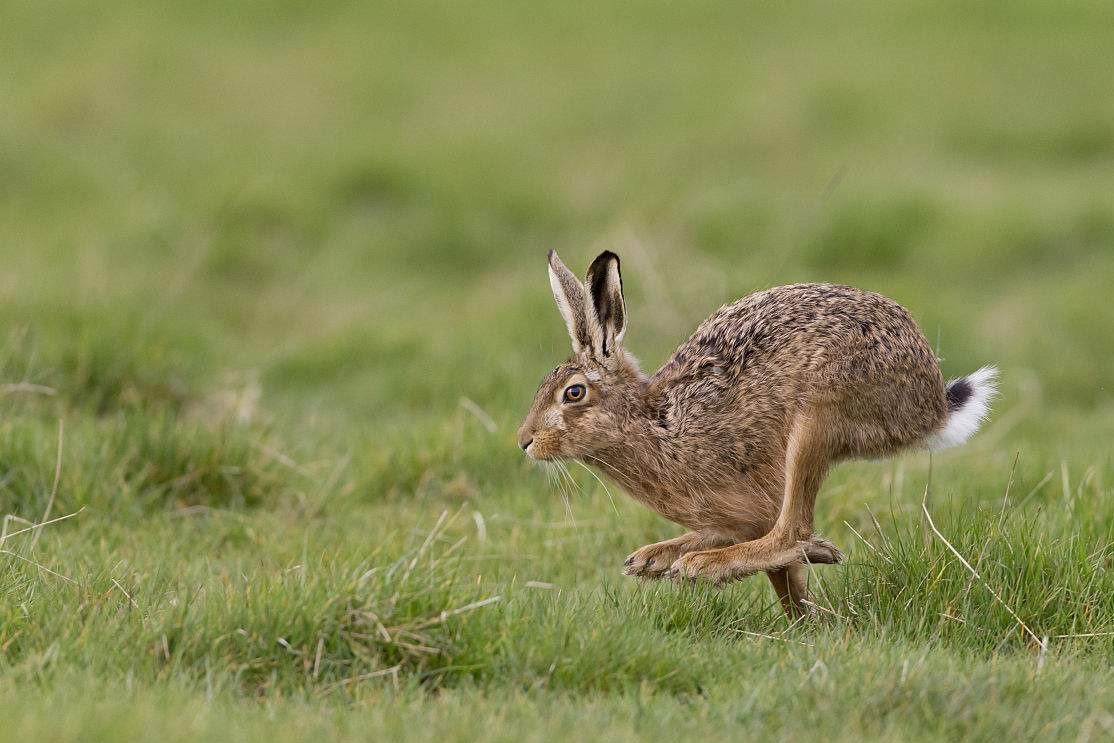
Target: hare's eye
point(575, 393)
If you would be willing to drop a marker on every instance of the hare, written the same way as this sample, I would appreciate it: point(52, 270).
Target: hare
point(733, 436)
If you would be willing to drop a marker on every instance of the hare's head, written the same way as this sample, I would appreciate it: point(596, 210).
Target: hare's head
point(586, 403)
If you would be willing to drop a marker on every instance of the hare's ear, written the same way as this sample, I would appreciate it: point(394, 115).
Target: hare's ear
point(573, 304)
point(605, 284)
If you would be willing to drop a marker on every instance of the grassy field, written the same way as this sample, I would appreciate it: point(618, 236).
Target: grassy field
point(273, 300)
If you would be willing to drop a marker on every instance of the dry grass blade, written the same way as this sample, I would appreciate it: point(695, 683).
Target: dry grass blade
point(444, 615)
point(8, 519)
point(826, 610)
point(479, 414)
point(773, 637)
point(1036, 488)
point(28, 389)
point(878, 528)
point(481, 526)
point(41, 524)
point(1006, 495)
point(867, 543)
point(53, 488)
point(128, 596)
point(284, 459)
point(392, 671)
point(413, 563)
point(39, 565)
point(1082, 635)
point(975, 573)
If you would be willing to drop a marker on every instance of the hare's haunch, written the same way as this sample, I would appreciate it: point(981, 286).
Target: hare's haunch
point(733, 435)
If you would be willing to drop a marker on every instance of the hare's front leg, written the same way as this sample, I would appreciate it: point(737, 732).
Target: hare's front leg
point(791, 541)
point(653, 560)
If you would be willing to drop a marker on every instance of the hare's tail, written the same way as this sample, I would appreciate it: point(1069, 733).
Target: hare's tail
point(968, 404)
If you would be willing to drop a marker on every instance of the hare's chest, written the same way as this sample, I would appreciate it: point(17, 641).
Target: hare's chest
point(741, 509)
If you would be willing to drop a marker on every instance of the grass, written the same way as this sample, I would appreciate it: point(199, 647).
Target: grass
point(276, 272)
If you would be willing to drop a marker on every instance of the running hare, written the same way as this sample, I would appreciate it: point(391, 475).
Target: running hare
point(734, 434)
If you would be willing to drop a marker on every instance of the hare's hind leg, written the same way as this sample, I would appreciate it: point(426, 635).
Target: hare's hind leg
point(791, 586)
point(808, 455)
point(653, 560)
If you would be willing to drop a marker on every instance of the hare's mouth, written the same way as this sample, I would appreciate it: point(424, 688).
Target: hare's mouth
point(539, 452)
point(542, 455)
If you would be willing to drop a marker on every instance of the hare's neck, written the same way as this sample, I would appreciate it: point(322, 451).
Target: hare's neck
point(646, 462)
point(645, 459)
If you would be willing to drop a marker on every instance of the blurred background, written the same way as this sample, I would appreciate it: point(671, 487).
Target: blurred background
point(327, 222)
point(273, 301)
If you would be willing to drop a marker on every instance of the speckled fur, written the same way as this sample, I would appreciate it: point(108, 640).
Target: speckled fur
point(733, 435)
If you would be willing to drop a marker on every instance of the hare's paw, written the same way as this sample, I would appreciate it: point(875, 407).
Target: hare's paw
point(653, 560)
point(821, 551)
point(717, 566)
point(761, 555)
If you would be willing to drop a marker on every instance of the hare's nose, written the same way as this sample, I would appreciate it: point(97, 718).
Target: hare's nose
point(525, 436)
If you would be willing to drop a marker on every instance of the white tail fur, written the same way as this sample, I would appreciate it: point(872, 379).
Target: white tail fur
point(980, 387)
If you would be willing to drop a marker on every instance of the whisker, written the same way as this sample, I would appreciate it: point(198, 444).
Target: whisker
point(605, 464)
point(555, 480)
point(574, 486)
point(553, 471)
point(571, 483)
point(554, 476)
point(588, 469)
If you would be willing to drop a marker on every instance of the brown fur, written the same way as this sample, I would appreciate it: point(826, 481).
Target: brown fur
point(733, 436)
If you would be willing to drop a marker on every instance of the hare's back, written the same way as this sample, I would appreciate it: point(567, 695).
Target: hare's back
point(828, 333)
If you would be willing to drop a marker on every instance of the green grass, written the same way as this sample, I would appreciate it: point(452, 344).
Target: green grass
point(265, 263)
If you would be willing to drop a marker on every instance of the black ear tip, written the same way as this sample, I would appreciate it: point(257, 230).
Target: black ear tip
point(551, 255)
point(602, 260)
